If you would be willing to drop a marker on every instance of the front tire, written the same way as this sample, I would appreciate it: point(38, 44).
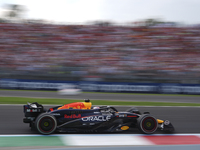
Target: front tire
point(46, 124)
point(147, 124)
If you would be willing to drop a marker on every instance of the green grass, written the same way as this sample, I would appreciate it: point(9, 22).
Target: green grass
point(109, 93)
point(23, 100)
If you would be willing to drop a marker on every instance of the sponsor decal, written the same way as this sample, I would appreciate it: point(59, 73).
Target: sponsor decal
point(118, 87)
point(103, 86)
point(32, 110)
point(56, 114)
point(96, 112)
point(72, 116)
point(97, 118)
point(122, 115)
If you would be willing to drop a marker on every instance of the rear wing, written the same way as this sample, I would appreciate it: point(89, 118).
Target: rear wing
point(33, 109)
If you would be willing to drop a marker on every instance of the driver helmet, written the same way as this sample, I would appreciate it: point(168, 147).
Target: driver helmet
point(96, 107)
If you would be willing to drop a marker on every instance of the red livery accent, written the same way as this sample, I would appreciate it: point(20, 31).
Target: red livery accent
point(131, 116)
point(77, 105)
point(173, 140)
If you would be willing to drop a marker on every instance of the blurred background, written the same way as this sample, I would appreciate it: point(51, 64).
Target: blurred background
point(105, 41)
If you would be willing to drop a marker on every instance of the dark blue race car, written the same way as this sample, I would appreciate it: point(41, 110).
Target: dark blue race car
point(82, 117)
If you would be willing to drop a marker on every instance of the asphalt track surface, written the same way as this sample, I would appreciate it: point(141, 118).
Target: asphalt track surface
point(184, 119)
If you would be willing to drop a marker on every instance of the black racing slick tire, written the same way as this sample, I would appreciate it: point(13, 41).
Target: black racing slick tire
point(147, 124)
point(46, 123)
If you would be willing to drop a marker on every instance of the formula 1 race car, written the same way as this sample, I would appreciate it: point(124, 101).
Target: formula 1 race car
point(82, 117)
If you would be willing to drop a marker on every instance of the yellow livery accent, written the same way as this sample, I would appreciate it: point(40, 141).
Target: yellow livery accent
point(124, 127)
point(87, 105)
point(160, 121)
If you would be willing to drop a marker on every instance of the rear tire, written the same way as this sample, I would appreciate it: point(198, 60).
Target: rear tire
point(46, 123)
point(147, 124)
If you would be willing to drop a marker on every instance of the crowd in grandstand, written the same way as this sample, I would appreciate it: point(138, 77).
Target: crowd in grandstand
point(99, 50)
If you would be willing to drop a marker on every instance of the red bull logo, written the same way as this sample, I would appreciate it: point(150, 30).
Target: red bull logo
point(72, 116)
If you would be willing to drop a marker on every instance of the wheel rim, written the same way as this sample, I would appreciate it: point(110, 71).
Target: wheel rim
point(149, 124)
point(46, 124)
